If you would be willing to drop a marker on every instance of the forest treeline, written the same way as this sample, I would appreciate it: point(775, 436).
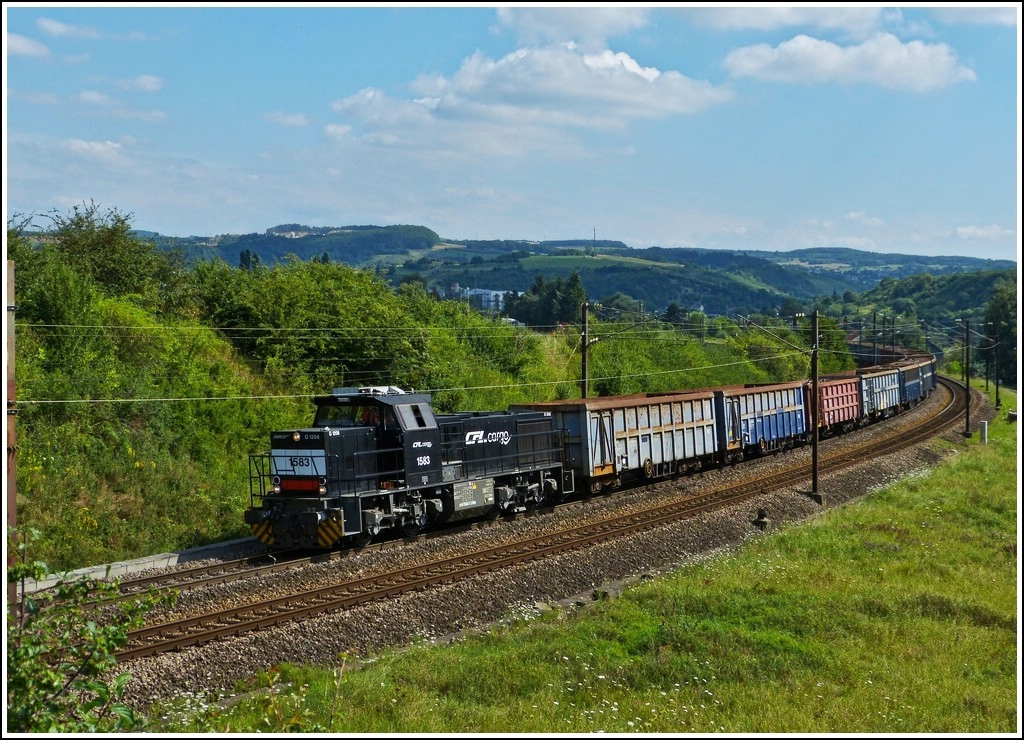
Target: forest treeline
point(144, 379)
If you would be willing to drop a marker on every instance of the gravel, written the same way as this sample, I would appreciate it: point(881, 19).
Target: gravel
point(448, 612)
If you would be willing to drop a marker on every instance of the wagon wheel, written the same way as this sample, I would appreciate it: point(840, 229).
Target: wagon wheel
point(648, 468)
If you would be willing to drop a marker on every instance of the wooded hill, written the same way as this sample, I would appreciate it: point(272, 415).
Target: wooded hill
point(716, 282)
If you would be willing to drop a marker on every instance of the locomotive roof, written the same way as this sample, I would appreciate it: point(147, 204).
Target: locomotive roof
point(386, 394)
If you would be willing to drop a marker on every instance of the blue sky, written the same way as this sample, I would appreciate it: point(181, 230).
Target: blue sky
point(883, 128)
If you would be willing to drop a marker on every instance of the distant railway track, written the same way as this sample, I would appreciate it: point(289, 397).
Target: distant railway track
point(196, 630)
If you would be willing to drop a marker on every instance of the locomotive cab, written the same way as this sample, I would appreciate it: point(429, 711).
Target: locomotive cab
point(341, 479)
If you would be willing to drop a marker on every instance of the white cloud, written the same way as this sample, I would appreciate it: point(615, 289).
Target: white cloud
point(591, 27)
point(37, 98)
point(562, 85)
point(982, 232)
point(92, 97)
point(862, 218)
point(150, 116)
point(882, 60)
point(336, 131)
point(287, 119)
point(18, 45)
point(858, 20)
point(113, 108)
point(56, 28)
point(145, 83)
point(852, 242)
point(530, 100)
point(105, 150)
point(1002, 16)
point(610, 60)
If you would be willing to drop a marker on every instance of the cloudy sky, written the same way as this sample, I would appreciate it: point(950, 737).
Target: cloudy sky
point(883, 128)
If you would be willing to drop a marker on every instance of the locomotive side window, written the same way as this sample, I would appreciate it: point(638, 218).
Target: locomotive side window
point(415, 416)
point(346, 416)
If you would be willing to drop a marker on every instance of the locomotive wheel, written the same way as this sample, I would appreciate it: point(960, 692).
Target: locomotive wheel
point(362, 539)
point(410, 529)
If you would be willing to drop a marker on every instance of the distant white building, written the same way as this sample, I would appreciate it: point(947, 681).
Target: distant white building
point(488, 301)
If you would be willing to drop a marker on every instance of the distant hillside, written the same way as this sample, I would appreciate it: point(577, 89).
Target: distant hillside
point(717, 281)
point(866, 269)
point(946, 297)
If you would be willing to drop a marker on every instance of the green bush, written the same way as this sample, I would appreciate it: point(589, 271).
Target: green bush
point(61, 659)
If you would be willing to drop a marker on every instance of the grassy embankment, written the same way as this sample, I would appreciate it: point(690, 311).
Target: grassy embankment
point(896, 615)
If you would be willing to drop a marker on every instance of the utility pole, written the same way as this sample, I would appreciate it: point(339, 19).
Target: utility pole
point(585, 343)
point(815, 411)
point(874, 334)
point(996, 352)
point(12, 438)
point(967, 372)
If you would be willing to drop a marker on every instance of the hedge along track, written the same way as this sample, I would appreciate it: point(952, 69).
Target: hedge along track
point(175, 635)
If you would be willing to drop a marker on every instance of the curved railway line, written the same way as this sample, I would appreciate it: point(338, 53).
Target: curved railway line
point(175, 634)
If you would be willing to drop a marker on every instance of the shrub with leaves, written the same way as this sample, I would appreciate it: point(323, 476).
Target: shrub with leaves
point(61, 656)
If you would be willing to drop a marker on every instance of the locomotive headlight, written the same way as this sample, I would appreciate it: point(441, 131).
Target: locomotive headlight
point(323, 490)
point(295, 437)
point(277, 483)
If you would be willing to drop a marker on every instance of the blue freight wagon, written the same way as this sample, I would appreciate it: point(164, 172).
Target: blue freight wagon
point(761, 418)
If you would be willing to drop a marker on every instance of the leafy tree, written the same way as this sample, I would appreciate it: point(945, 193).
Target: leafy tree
point(1000, 322)
point(60, 658)
point(570, 299)
point(59, 300)
point(673, 314)
point(617, 304)
point(550, 302)
point(101, 245)
point(247, 259)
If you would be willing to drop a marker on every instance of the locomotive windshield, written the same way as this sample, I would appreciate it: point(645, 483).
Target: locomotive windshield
point(347, 416)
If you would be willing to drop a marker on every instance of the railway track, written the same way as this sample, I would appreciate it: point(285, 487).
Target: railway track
point(196, 630)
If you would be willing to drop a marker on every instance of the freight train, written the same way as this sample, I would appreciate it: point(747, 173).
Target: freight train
point(378, 459)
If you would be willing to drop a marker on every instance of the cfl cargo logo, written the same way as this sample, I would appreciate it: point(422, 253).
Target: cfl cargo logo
point(481, 437)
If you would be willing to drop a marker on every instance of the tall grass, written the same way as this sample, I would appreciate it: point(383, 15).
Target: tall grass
point(895, 615)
